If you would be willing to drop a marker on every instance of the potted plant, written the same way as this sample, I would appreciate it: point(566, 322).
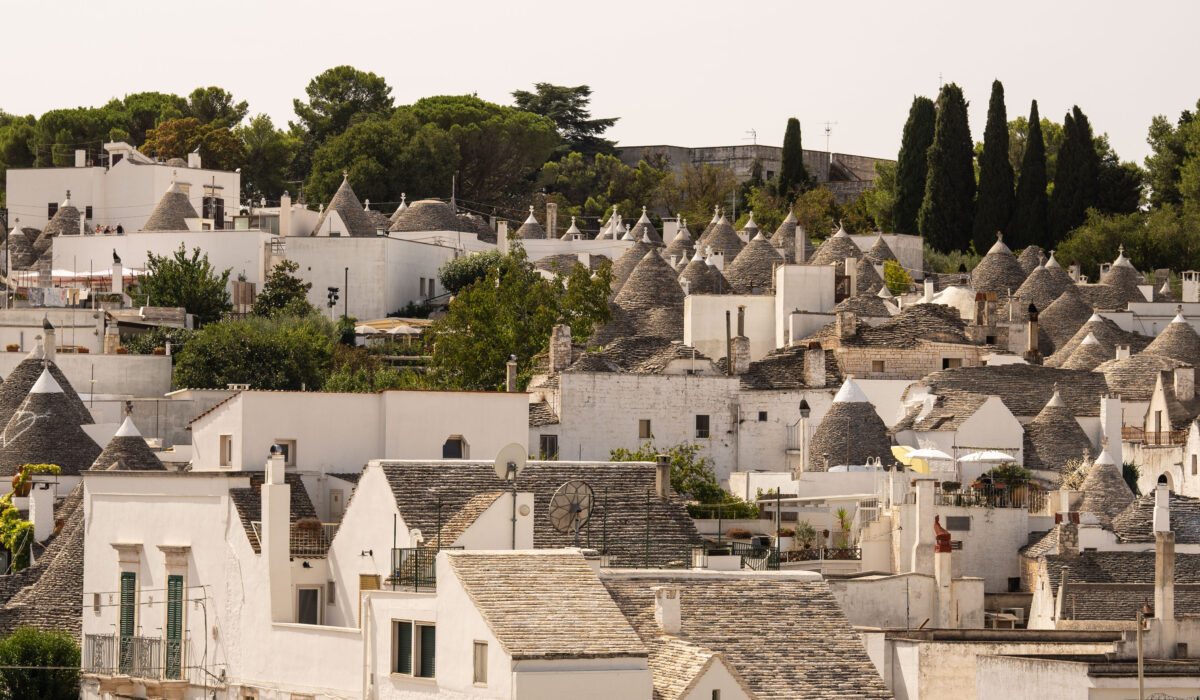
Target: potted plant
point(122, 350)
point(82, 350)
point(13, 347)
point(806, 534)
point(160, 351)
point(738, 533)
point(844, 521)
point(21, 481)
point(786, 539)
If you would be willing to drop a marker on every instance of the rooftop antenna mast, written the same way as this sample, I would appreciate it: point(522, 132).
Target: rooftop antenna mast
point(829, 133)
point(753, 136)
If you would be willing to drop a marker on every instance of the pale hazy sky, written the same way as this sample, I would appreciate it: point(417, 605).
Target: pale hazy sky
point(684, 73)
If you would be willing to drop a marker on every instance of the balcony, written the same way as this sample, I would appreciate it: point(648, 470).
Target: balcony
point(414, 568)
point(309, 538)
point(994, 496)
point(151, 658)
point(1131, 433)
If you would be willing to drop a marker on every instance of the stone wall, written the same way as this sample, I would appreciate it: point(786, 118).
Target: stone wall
point(905, 363)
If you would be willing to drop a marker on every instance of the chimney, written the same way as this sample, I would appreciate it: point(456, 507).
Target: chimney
point(41, 508)
point(118, 275)
point(845, 323)
point(728, 346)
point(666, 609)
point(552, 220)
point(194, 160)
point(1032, 355)
point(943, 572)
point(1185, 383)
point(1164, 578)
point(49, 343)
point(801, 237)
point(741, 354)
point(922, 550)
point(502, 236)
point(1074, 271)
point(510, 376)
point(852, 273)
point(741, 321)
point(1122, 352)
point(560, 347)
point(1191, 287)
point(285, 214)
point(112, 339)
point(814, 367)
point(1111, 419)
point(276, 535)
point(80, 158)
point(1162, 509)
point(662, 477)
point(928, 290)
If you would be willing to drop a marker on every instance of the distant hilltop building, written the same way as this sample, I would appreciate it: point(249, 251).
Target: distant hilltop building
point(847, 176)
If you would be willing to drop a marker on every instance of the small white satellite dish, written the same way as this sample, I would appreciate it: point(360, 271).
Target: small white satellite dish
point(510, 461)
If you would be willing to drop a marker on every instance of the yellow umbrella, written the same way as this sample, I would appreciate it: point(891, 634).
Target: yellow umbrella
point(901, 452)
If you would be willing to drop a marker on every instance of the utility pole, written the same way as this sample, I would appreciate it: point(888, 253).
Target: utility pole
point(346, 295)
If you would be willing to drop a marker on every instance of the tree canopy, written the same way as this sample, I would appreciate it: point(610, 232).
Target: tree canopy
point(187, 281)
point(39, 664)
point(995, 203)
point(1030, 222)
point(568, 108)
point(948, 209)
point(793, 176)
point(281, 352)
point(283, 291)
point(912, 166)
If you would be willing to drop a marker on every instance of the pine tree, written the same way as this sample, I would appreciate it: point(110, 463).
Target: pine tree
point(793, 177)
point(1077, 176)
point(948, 210)
point(913, 164)
point(994, 209)
point(1029, 223)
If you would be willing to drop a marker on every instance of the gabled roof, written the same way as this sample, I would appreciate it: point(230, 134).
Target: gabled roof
point(783, 369)
point(618, 517)
point(949, 411)
point(545, 605)
point(1116, 567)
point(466, 516)
point(171, 212)
point(542, 413)
point(865, 305)
point(248, 502)
point(636, 354)
point(346, 204)
point(778, 622)
point(919, 322)
point(1133, 377)
point(1024, 389)
point(1054, 436)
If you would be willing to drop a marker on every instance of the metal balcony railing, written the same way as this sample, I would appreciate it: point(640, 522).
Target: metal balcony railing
point(1132, 433)
point(414, 567)
point(995, 496)
point(306, 538)
point(138, 657)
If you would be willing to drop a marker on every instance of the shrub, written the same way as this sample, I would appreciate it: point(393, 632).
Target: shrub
point(56, 658)
point(738, 533)
point(806, 534)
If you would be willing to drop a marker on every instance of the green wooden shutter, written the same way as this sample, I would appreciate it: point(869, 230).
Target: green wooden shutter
point(428, 647)
point(174, 643)
point(128, 602)
point(403, 632)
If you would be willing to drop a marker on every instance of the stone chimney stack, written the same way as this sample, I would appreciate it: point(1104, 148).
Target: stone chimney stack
point(560, 347)
point(118, 275)
point(285, 214)
point(41, 507)
point(922, 550)
point(49, 342)
point(801, 237)
point(1164, 578)
point(510, 378)
point(845, 322)
point(814, 366)
point(852, 274)
point(502, 237)
point(1110, 427)
point(1032, 355)
point(662, 477)
point(1122, 352)
point(1191, 287)
point(1185, 383)
point(1074, 271)
point(928, 298)
point(943, 572)
point(666, 609)
point(277, 535)
point(1162, 509)
point(551, 220)
point(741, 344)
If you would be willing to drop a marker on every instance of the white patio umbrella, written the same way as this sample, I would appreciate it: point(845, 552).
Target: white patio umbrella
point(987, 456)
point(366, 330)
point(405, 330)
point(929, 453)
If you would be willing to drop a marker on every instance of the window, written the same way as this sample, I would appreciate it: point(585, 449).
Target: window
point(762, 416)
point(226, 451)
point(289, 451)
point(413, 648)
point(990, 340)
point(96, 603)
point(1193, 465)
point(51, 209)
point(214, 208)
point(174, 656)
point(716, 695)
point(958, 522)
point(548, 446)
point(1014, 584)
point(878, 366)
point(330, 595)
point(702, 426)
point(480, 657)
point(951, 362)
point(308, 605)
point(87, 212)
point(644, 429)
point(956, 544)
point(422, 287)
point(453, 447)
point(128, 620)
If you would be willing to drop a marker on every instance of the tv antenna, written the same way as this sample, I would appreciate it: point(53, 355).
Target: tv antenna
point(571, 507)
point(828, 132)
point(509, 463)
point(753, 136)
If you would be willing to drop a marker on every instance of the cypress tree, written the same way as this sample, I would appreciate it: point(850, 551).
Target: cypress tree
point(995, 204)
point(1077, 176)
point(948, 209)
point(913, 164)
point(793, 177)
point(1029, 224)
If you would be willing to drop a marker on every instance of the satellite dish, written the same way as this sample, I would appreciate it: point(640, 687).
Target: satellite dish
point(510, 461)
point(571, 507)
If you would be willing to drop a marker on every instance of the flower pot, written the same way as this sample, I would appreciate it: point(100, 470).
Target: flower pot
point(160, 351)
point(20, 490)
point(122, 350)
point(83, 351)
point(12, 347)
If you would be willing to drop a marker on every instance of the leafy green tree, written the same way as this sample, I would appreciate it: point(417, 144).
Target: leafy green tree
point(568, 108)
point(1030, 223)
point(356, 370)
point(793, 177)
point(460, 273)
point(157, 337)
point(267, 154)
point(186, 281)
point(1173, 146)
point(147, 110)
point(499, 148)
point(692, 476)
point(912, 166)
point(511, 313)
point(62, 131)
point(282, 352)
point(693, 192)
point(1119, 186)
point(282, 290)
point(219, 148)
point(1076, 181)
point(880, 200)
point(386, 156)
point(39, 665)
point(1164, 237)
point(215, 106)
point(896, 278)
point(339, 97)
point(948, 210)
point(995, 204)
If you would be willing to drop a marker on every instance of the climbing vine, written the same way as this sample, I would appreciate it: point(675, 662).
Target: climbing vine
point(16, 533)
